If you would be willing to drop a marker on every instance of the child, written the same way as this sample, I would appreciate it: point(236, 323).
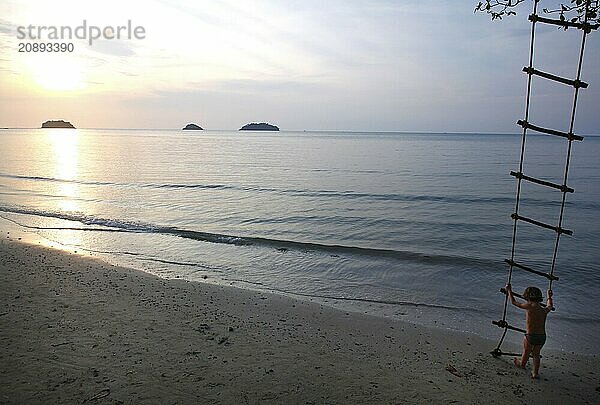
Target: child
point(535, 325)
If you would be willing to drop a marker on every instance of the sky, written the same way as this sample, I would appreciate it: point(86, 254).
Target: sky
point(370, 65)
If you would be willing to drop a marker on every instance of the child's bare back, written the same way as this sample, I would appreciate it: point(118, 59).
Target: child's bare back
point(535, 318)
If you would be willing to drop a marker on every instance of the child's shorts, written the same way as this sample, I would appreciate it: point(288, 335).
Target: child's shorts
point(536, 339)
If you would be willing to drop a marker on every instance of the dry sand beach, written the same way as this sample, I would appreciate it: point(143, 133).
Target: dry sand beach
point(76, 330)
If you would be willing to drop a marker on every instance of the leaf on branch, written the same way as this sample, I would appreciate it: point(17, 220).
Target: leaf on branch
point(569, 10)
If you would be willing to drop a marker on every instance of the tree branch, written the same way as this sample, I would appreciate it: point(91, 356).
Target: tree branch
point(574, 11)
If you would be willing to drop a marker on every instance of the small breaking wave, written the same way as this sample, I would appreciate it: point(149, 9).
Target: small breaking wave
point(339, 194)
point(97, 224)
point(360, 299)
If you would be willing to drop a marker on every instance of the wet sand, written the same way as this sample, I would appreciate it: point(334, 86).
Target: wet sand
point(74, 329)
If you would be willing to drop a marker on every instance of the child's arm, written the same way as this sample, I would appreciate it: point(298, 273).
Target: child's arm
point(549, 304)
point(512, 298)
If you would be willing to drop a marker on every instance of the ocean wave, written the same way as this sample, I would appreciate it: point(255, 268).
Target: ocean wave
point(106, 183)
point(21, 192)
point(261, 286)
point(348, 194)
point(143, 257)
point(108, 224)
point(578, 321)
point(282, 245)
point(55, 180)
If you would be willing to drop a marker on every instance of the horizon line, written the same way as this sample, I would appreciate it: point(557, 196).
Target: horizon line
point(301, 130)
point(280, 130)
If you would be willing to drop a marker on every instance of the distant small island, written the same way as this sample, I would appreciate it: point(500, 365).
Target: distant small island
point(57, 124)
point(193, 127)
point(263, 126)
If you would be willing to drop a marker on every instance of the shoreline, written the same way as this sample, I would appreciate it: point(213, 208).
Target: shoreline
point(76, 329)
point(435, 317)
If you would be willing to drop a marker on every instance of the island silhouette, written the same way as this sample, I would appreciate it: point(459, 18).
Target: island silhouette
point(194, 127)
point(262, 126)
point(57, 124)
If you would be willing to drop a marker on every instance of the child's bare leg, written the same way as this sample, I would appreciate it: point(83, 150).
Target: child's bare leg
point(535, 354)
point(525, 356)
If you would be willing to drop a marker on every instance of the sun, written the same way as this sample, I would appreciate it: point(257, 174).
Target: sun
point(56, 73)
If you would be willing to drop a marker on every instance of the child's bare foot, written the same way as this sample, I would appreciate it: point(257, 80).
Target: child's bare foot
point(517, 363)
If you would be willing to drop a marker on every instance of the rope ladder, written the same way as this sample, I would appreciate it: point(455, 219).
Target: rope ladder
point(520, 177)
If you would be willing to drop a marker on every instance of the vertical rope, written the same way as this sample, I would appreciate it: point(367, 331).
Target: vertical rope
point(585, 30)
point(568, 157)
point(521, 159)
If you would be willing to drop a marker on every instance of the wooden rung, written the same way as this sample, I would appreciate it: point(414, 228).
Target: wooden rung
point(563, 23)
point(560, 187)
point(504, 324)
point(575, 83)
point(528, 125)
point(557, 229)
point(529, 269)
point(503, 291)
point(498, 353)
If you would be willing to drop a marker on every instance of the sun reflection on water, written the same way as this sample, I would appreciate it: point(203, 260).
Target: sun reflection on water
point(65, 147)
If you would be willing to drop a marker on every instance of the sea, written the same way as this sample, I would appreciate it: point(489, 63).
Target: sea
point(408, 226)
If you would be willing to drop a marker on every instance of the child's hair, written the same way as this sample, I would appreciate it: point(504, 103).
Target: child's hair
point(533, 294)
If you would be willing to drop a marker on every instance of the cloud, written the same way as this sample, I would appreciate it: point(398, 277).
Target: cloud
point(113, 47)
point(7, 27)
point(250, 86)
point(420, 65)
